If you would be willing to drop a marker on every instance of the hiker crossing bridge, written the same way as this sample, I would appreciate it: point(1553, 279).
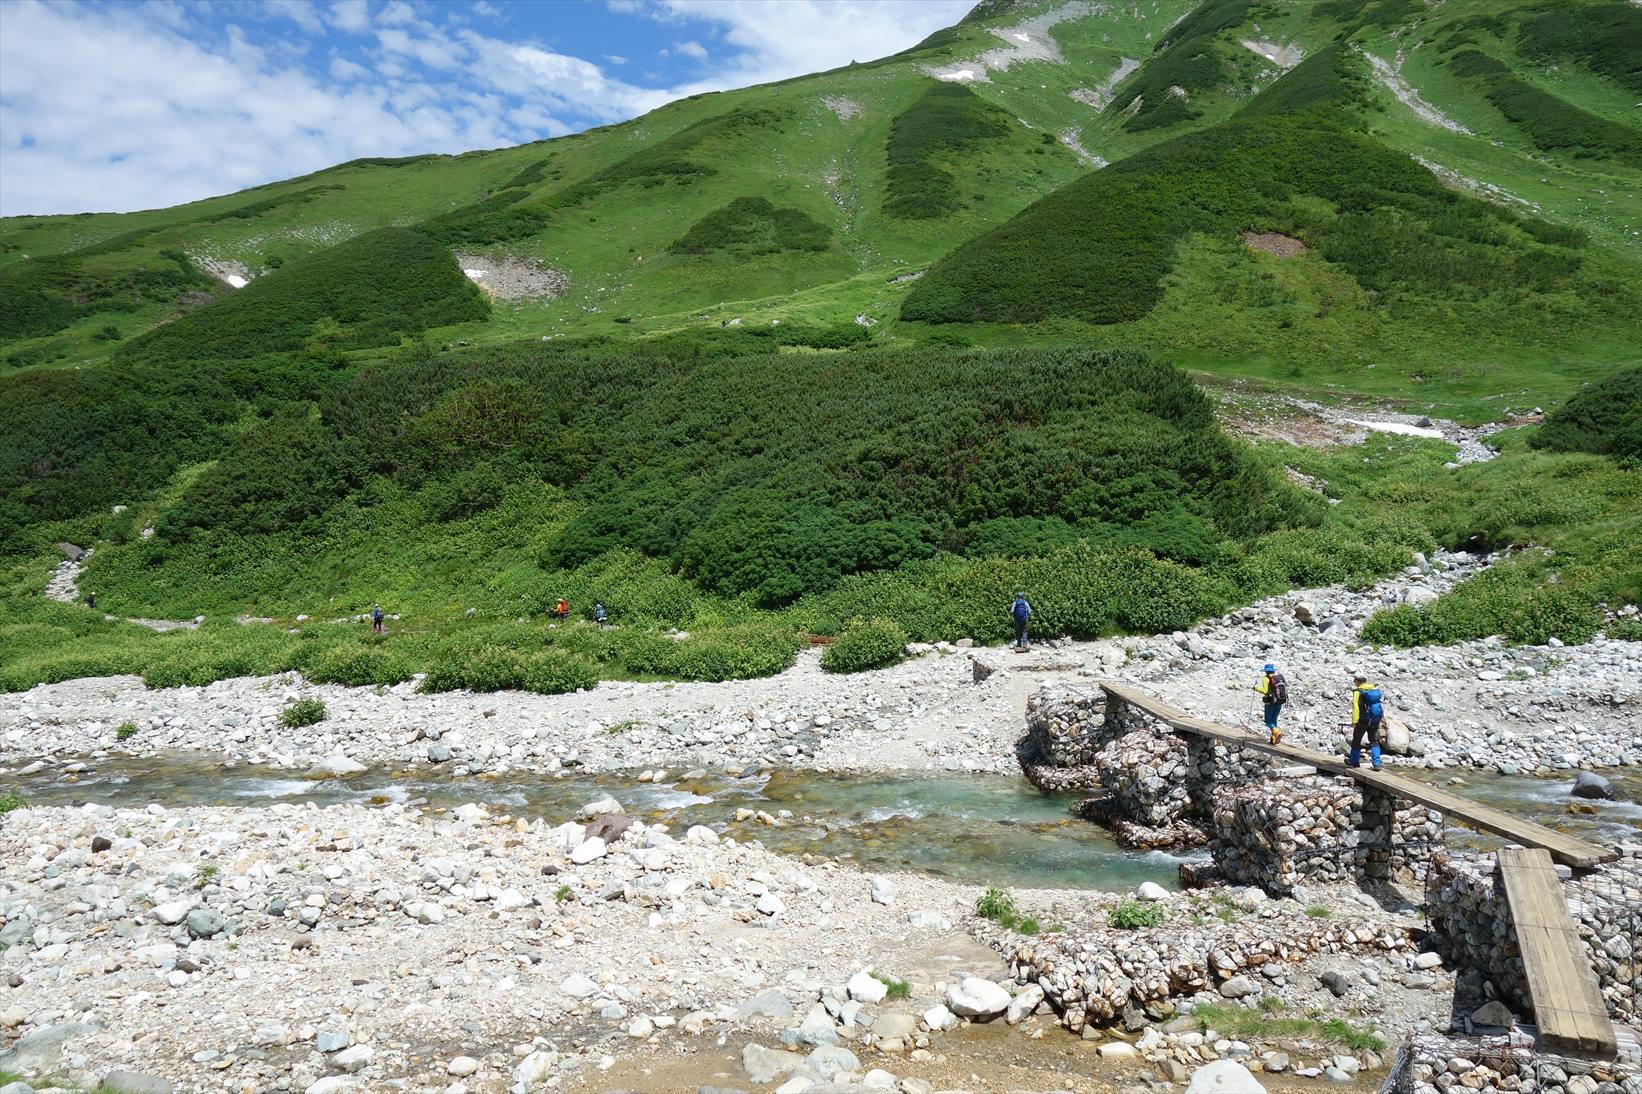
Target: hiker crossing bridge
point(1567, 999)
point(1566, 849)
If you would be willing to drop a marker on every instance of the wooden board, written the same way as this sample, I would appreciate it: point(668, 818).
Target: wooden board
point(1566, 849)
point(1568, 1005)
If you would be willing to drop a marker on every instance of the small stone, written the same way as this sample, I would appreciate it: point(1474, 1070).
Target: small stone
point(1238, 987)
point(353, 1058)
point(205, 923)
point(578, 986)
point(587, 851)
point(1427, 960)
point(828, 1060)
point(1493, 1014)
point(1118, 1050)
point(462, 1066)
point(332, 1040)
point(136, 1082)
point(1024, 1005)
point(1338, 983)
point(1151, 891)
point(883, 890)
point(172, 912)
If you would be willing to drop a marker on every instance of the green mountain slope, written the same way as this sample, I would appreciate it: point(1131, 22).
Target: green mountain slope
point(710, 366)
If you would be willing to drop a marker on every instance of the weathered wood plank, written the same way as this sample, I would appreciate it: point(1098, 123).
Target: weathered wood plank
point(1566, 849)
point(1568, 1006)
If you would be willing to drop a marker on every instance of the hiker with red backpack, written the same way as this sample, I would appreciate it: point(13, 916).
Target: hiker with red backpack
point(1367, 720)
point(1274, 692)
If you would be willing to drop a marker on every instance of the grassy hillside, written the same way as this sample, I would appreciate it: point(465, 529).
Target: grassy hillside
point(712, 366)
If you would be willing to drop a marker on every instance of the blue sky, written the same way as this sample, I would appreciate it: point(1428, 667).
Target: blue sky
point(120, 106)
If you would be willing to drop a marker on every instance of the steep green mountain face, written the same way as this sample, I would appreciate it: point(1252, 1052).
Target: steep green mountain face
point(886, 342)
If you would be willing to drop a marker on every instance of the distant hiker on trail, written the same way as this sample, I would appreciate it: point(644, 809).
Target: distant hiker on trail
point(598, 613)
point(91, 600)
point(1021, 613)
point(376, 618)
point(1274, 692)
point(561, 608)
point(1367, 718)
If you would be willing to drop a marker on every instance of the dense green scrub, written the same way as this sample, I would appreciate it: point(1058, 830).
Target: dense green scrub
point(713, 466)
point(1551, 122)
point(753, 226)
point(1605, 419)
point(1098, 249)
point(945, 120)
point(1185, 58)
point(1605, 37)
point(368, 291)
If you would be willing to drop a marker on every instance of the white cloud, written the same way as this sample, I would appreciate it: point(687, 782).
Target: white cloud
point(350, 15)
point(489, 11)
point(783, 38)
point(106, 107)
point(344, 69)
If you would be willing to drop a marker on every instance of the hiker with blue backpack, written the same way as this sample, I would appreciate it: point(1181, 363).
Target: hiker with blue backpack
point(1367, 718)
point(1021, 613)
point(1274, 692)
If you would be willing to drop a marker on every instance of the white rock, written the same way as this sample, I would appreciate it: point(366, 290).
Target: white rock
point(578, 986)
point(354, 1058)
point(883, 890)
point(977, 998)
point(462, 1066)
point(1224, 1077)
point(867, 988)
point(588, 850)
point(939, 1018)
point(1151, 890)
point(770, 904)
point(599, 807)
point(1118, 1050)
point(172, 912)
point(1024, 1005)
point(700, 834)
point(336, 764)
point(534, 1068)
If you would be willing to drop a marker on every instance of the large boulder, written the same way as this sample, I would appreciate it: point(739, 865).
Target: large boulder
point(1588, 784)
point(978, 999)
point(1398, 740)
point(765, 1065)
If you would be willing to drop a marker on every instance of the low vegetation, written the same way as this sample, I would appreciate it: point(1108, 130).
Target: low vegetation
point(944, 122)
point(1604, 418)
point(370, 291)
point(1185, 63)
point(865, 644)
point(303, 712)
point(999, 906)
point(1605, 37)
point(751, 226)
point(1551, 122)
point(1247, 1024)
point(1133, 915)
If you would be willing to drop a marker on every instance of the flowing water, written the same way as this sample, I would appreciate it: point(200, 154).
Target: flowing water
point(978, 828)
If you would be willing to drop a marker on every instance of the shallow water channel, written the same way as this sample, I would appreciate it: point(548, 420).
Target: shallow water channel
point(978, 828)
point(990, 828)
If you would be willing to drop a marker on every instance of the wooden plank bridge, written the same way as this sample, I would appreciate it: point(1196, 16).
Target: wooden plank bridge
point(1566, 849)
point(1568, 1007)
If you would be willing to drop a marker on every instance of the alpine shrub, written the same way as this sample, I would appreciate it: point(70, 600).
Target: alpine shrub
point(357, 664)
point(865, 644)
point(554, 672)
point(303, 712)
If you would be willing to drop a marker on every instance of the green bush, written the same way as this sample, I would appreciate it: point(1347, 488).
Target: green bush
point(1604, 418)
point(126, 731)
point(865, 644)
point(1606, 37)
point(1508, 599)
point(1625, 630)
point(357, 664)
point(753, 226)
point(997, 905)
point(1551, 122)
point(1132, 915)
point(553, 672)
point(10, 802)
point(303, 712)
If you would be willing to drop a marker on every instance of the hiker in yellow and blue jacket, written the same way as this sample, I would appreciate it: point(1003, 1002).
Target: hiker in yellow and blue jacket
point(1367, 715)
point(1274, 692)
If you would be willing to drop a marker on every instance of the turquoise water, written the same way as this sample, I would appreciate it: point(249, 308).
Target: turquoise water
point(989, 829)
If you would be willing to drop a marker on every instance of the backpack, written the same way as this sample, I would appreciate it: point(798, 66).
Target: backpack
point(1279, 689)
point(1372, 706)
point(1022, 611)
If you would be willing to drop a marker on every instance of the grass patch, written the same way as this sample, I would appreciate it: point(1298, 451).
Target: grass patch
point(893, 988)
point(1245, 1024)
point(126, 731)
point(303, 712)
point(10, 802)
point(1132, 915)
point(1551, 122)
point(1318, 911)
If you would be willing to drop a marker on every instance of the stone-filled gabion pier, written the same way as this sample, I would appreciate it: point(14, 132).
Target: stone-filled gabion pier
point(1154, 788)
point(1471, 927)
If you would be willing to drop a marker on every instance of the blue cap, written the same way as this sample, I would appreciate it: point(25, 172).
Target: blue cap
point(1271, 668)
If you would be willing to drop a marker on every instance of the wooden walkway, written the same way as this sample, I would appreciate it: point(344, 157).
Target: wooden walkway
point(1568, 1005)
point(1564, 848)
